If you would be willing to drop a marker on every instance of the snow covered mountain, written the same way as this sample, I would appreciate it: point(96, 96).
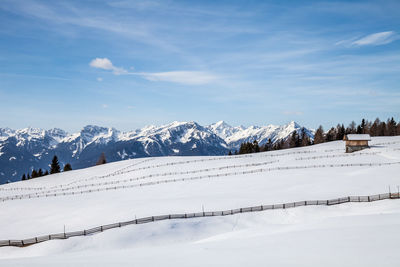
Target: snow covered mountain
point(25, 149)
point(234, 136)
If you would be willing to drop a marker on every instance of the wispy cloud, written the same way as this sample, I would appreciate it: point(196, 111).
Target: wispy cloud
point(379, 38)
point(106, 64)
point(182, 77)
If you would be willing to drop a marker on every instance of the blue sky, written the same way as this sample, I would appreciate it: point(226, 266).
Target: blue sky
point(127, 64)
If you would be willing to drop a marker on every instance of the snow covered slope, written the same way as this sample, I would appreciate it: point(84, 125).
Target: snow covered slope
point(305, 236)
point(23, 150)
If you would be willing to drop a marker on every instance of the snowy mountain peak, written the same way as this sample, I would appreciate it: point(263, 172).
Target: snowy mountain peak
point(293, 125)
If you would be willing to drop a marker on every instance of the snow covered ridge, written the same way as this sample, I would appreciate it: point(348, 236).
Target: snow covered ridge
point(33, 148)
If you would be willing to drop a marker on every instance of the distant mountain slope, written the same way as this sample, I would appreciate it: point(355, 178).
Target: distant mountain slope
point(234, 136)
point(25, 149)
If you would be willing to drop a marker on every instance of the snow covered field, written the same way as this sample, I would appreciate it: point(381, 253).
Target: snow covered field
point(351, 234)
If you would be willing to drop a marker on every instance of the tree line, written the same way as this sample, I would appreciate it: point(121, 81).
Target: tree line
point(54, 168)
point(375, 128)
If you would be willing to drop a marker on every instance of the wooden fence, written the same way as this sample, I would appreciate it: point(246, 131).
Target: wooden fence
point(119, 184)
point(329, 202)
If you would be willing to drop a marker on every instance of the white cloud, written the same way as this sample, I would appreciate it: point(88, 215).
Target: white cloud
point(106, 64)
point(183, 77)
point(99, 79)
point(379, 38)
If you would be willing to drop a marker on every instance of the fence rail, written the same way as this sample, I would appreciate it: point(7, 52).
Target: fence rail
point(119, 184)
point(98, 229)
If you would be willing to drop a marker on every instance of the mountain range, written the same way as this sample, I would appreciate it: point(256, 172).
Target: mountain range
point(31, 148)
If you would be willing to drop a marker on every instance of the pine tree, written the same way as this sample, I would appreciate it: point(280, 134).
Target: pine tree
point(382, 129)
point(40, 172)
point(102, 159)
point(359, 130)
point(374, 130)
point(230, 153)
point(67, 167)
point(23, 177)
point(55, 166)
point(340, 132)
point(46, 173)
point(319, 135)
point(305, 139)
point(256, 147)
point(34, 174)
point(28, 177)
point(391, 125)
point(363, 126)
point(292, 140)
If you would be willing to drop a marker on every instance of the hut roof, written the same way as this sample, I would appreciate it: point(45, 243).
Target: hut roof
point(358, 137)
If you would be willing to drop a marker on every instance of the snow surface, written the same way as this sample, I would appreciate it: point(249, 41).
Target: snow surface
point(352, 234)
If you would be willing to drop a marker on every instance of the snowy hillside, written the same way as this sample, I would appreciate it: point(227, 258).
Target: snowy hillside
point(304, 236)
point(30, 148)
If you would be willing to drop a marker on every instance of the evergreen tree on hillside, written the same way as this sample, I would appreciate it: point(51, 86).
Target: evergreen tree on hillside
point(34, 174)
point(23, 177)
point(256, 147)
point(102, 159)
point(359, 130)
point(28, 177)
point(363, 127)
point(319, 135)
point(55, 166)
point(330, 135)
point(374, 130)
point(294, 140)
point(340, 132)
point(382, 129)
point(67, 167)
point(40, 172)
point(391, 126)
point(46, 173)
point(305, 139)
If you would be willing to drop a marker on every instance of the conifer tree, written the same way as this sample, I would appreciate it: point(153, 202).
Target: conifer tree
point(319, 135)
point(34, 174)
point(363, 126)
point(340, 132)
point(391, 125)
point(46, 173)
point(28, 177)
point(230, 153)
point(102, 159)
point(55, 166)
point(256, 147)
point(40, 172)
point(305, 139)
point(67, 167)
point(23, 177)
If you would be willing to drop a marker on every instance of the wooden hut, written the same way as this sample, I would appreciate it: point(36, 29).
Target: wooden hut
point(356, 142)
